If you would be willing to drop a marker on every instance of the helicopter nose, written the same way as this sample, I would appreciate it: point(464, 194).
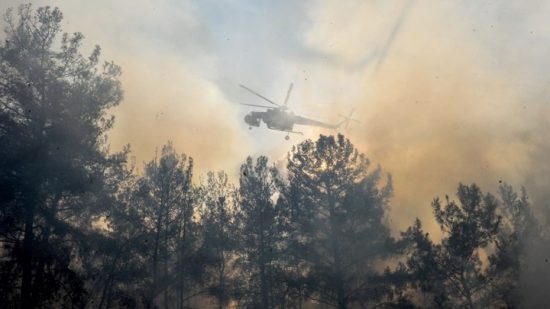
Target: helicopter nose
point(251, 120)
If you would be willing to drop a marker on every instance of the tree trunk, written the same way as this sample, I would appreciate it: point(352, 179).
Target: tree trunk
point(109, 282)
point(263, 287)
point(153, 291)
point(39, 276)
point(165, 268)
point(26, 282)
point(467, 293)
point(221, 283)
point(334, 230)
point(263, 275)
point(469, 298)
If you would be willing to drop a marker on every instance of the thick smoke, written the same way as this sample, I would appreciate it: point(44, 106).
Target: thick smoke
point(460, 96)
point(454, 100)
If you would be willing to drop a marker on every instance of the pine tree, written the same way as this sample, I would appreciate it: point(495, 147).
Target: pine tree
point(453, 271)
point(260, 233)
point(337, 218)
point(219, 228)
point(53, 159)
point(166, 197)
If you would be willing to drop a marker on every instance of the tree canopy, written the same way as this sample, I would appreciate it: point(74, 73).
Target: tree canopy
point(81, 227)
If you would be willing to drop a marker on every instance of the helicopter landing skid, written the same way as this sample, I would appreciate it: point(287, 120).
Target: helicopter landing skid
point(287, 137)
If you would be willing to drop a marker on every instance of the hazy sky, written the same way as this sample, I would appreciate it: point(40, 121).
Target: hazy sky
point(446, 91)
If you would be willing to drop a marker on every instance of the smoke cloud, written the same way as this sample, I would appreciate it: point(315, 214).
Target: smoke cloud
point(455, 100)
point(460, 92)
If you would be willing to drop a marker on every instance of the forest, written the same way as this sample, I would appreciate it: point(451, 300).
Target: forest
point(84, 227)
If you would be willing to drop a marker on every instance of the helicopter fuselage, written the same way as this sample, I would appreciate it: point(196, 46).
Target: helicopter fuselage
point(281, 118)
point(275, 119)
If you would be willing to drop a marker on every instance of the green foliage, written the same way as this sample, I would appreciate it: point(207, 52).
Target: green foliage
point(53, 158)
point(219, 228)
point(81, 228)
point(167, 199)
point(261, 233)
point(453, 272)
point(519, 231)
point(337, 219)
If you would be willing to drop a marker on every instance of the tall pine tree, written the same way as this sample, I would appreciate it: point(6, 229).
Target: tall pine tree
point(337, 219)
point(53, 159)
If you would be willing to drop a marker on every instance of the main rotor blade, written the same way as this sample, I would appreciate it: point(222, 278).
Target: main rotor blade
point(261, 96)
point(393, 34)
point(288, 93)
point(348, 117)
point(256, 105)
point(351, 112)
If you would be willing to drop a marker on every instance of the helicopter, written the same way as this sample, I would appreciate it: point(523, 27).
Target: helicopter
point(278, 117)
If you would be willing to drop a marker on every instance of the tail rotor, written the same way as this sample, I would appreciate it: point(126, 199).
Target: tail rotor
point(348, 119)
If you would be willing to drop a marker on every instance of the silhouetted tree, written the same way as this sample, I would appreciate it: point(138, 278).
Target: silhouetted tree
point(117, 275)
point(453, 271)
point(338, 226)
point(423, 265)
point(80, 228)
point(261, 236)
point(219, 228)
point(165, 193)
point(518, 230)
point(53, 156)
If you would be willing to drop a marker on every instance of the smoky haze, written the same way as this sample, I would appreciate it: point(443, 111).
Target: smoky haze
point(445, 92)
